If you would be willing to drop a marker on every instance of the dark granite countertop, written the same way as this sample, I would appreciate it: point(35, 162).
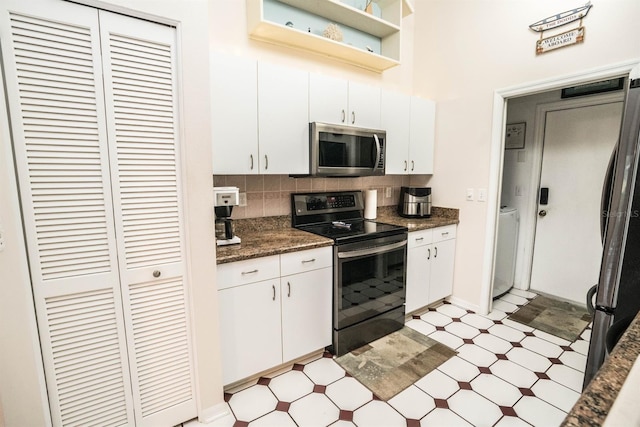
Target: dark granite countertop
point(439, 218)
point(258, 242)
point(596, 400)
point(274, 235)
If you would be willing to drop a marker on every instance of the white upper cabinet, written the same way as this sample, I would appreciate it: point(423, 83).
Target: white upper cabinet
point(423, 117)
point(283, 119)
point(396, 113)
point(234, 114)
point(334, 100)
point(410, 124)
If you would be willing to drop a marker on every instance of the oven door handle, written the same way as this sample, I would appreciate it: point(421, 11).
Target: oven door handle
point(372, 251)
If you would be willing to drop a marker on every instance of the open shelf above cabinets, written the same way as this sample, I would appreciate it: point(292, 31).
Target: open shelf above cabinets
point(367, 40)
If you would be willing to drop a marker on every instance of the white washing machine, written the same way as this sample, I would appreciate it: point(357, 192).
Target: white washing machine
point(505, 265)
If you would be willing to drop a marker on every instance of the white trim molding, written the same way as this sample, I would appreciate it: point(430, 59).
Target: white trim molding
point(497, 150)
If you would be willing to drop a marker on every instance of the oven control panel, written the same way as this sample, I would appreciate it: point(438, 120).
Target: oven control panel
point(326, 203)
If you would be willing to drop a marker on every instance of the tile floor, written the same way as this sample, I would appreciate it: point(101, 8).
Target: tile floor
point(505, 374)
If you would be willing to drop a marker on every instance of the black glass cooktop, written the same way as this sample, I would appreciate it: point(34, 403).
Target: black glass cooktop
point(338, 216)
point(349, 228)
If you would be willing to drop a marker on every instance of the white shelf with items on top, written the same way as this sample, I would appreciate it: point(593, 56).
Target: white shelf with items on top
point(370, 41)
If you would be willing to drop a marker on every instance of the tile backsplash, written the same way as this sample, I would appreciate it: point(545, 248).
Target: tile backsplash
point(269, 195)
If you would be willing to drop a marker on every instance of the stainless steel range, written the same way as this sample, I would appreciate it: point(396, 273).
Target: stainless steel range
point(369, 270)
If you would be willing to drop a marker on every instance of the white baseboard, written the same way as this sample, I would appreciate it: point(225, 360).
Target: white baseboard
point(213, 413)
point(464, 304)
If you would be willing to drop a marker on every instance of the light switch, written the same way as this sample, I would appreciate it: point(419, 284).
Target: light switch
point(469, 194)
point(482, 194)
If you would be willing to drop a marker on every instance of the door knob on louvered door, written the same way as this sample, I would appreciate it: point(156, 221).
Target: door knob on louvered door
point(542, 213)
point(156, 273)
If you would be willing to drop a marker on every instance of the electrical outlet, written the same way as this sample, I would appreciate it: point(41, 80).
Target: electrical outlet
point(387, 192)
point(243, 199)
point(482, 194)
point(469, 194)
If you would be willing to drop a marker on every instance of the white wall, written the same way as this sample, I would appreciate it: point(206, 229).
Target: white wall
point(465, 51)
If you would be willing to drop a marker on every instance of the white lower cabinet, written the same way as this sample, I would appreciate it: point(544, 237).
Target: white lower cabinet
point(418, 269)
point(276, 319)
point(430, 263)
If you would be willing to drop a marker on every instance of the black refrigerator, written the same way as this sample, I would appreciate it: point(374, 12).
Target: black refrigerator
point(617, 294)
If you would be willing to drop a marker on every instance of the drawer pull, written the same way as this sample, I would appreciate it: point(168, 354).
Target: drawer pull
point(419, 239)
point(446, 233)
point(249, 272)
point(304, 261)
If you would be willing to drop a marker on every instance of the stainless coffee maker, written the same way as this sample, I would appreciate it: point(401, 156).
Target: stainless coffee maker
point(225, 198)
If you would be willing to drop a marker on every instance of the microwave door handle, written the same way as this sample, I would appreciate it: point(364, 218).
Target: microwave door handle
point(378, 149)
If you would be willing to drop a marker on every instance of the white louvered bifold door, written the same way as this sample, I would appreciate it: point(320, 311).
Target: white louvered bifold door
point(53, 79)
point(140, 88)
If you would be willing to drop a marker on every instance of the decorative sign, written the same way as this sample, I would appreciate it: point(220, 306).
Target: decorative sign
point(560, 40)
point(567, 38)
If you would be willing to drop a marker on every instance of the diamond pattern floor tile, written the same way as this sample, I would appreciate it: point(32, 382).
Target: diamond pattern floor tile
point(290, 386)
point(497, 390)
point(474, 408)
point(529, 359)
point(505, 375)
point(476, 355)
point(315, 409)
point(413, 403)
point(556, 394)
point(348, 393)
point(378, 413)
point(538, 412)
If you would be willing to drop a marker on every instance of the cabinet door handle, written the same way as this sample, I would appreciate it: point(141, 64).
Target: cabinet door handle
point(412, 165)
point(344, 116)
point(288, 290)
point(274, 292)
point(405, 165)
point(429, 253)
point(249, 272)
point(266, 162)
point(435, 255)
point(304, 261)
point(353, 117)
point(251, 157)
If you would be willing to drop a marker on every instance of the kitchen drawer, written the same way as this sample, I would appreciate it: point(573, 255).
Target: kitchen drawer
point(249, 271)
point(444, 233)
point(419, 238)
point(301, 261)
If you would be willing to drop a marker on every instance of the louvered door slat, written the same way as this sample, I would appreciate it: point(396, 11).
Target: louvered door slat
point(140, 89)
point(54, 86)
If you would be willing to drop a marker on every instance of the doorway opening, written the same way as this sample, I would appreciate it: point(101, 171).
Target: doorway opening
point(502, 100)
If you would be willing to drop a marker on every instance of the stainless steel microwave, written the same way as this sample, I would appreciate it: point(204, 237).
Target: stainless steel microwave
point(341, 151)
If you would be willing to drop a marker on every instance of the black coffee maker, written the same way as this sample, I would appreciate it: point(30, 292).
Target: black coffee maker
point(225, 198)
